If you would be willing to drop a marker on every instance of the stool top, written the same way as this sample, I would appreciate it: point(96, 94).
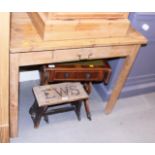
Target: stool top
point(59, 93)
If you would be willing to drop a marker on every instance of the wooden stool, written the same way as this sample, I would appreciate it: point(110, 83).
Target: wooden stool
point(49, 96)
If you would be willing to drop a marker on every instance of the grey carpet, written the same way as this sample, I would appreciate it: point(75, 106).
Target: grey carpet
point(133, 120)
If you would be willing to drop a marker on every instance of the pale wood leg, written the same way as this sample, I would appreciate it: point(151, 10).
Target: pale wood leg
point(4, 134)
point(14, 84)
point(121, 79)
point(4, 76)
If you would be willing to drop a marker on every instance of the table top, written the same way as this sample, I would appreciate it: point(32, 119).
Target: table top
point(24, 38)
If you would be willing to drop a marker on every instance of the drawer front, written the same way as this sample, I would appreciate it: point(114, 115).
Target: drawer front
point(90, 53)
point(91, 75)
point(78, 75)
point(73, 55)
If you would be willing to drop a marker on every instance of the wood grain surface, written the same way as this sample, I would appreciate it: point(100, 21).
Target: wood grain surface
point(4, 76)
point(59, 93)
point(79, 26)
point(24, 38)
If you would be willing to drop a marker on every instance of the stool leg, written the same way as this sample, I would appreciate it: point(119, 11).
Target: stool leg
point(33, 111)
point(36, 113)
point(78, 109)
point(37, 120)
point(40, 112)
point(46, 118)
point(87, 109)
point(88, 87)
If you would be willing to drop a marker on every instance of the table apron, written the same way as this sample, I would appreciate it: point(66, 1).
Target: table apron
point(66, 55)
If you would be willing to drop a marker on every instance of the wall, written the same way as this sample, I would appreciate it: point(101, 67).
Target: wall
point(142, 76)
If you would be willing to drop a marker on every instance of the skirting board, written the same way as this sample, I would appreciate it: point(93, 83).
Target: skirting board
point(127, 91)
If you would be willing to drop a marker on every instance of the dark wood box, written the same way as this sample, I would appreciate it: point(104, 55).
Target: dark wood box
point(92, 71)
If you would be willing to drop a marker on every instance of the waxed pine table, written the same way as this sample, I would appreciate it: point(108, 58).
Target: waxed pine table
point(28, 49)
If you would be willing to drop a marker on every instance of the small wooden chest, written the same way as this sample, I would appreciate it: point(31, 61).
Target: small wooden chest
point(92, 71)
point(63, 26)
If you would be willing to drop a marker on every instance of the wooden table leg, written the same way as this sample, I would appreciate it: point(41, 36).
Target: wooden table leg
point(121, 79)
point(14, 84)
point(4, 76)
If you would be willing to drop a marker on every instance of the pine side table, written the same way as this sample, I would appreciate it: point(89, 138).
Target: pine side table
point(28, 49)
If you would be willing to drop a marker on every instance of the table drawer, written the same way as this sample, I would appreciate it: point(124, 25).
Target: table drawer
point(90, 53)
point(93, 70)
point(96, 75)
point(68, 55)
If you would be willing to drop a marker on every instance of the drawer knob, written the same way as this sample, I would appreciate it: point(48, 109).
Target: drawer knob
point(66, 75)
point(88, 75)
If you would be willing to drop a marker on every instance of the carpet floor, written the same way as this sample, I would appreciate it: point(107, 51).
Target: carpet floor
point(132, 120)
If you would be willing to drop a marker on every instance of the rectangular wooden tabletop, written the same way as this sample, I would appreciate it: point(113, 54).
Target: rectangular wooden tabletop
point(24, 38)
